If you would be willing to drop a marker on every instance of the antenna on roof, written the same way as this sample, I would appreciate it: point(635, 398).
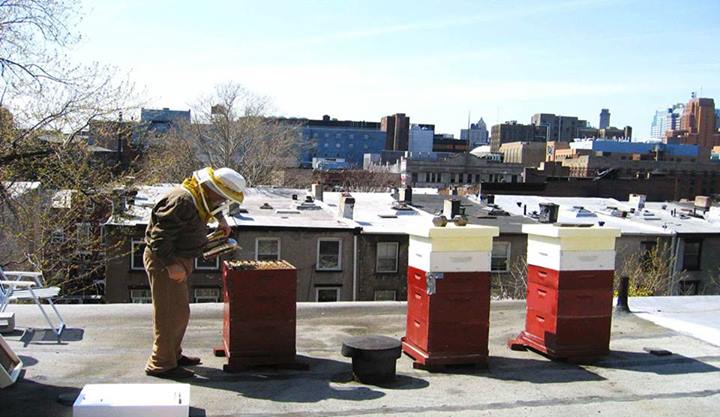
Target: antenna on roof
point(468, 134)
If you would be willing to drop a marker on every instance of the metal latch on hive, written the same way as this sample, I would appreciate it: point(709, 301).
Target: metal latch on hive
point(431, 281)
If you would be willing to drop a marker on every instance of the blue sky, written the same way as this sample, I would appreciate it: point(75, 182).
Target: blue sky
point(433, 60)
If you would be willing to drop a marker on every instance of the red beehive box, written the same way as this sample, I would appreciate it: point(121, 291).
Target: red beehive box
point(260, 314)
point(569, 310)
point(449, 326)
point(449, 296)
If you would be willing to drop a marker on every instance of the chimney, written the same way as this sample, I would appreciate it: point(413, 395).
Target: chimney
point(119, 201)
point(317, 191)
point(395, 193)
point(451, 208)
point(406, 195)
point(637, 201)
point(346, 206)
point(702, 204)
point(548, 213)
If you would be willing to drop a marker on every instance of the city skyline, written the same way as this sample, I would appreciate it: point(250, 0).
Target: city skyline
point(435, 63)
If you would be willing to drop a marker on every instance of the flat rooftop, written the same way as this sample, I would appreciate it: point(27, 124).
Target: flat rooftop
point(110, 343)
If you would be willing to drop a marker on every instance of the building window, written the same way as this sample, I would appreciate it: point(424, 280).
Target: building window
point(82, 234)
point(206, 295)
point(384, 295)
point(57, 237)
point(414, 177)
point(327, 294)
point(136, 255)
point(140, 296)
point(691, 255)
point(500, 257)
point(202, 264)
point(267, 249)
point(328, 255)
point(387, 257)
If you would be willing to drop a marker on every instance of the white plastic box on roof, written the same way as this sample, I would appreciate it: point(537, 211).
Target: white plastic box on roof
point(133, 400)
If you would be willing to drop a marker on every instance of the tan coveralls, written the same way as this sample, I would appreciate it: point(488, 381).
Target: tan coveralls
point(175, 235)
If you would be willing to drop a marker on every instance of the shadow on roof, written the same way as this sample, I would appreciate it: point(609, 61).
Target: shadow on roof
point(673, 364)
point(326, 379)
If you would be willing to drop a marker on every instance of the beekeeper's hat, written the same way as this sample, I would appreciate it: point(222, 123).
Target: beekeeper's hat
point(223, 181)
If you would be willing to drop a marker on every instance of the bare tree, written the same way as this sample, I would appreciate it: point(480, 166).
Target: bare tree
point(651, 272)
point(40, 85)
point(231, 128)
point(513, 284)
point(46, 101)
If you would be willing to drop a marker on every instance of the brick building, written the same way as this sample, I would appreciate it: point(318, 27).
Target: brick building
point(697, 126)
point(513, 131)
point(527, 154)
point(397, 129)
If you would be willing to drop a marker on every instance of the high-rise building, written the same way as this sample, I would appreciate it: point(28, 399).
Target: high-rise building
point(421, 138)
point(329, 138)
point(697, 126)
point(512, 131)
point(559, 128)
point(477, 135)
point(604, 118)
point(397, 128)
point(664, 120)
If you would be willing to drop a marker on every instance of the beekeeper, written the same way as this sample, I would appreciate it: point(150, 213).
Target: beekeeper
point(175, 235)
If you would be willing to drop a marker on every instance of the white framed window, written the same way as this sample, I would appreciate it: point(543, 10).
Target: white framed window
point(328, 255)
point(140, 296)
point(57, 237)
point(385, 295)
point(82, 236)
point(136, 255)
point(202, 264)
point(387, 257)
point(500, 257)
point(206, 295)
point(267, 249)
point(327, 294)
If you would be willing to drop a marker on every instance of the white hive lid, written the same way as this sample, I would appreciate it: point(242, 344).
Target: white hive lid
point(570, 231)
point(451, 231)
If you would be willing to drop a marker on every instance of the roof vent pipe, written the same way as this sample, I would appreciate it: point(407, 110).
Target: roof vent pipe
point(317, 191)
point(451, 208)
point(346, 206)
point(406, 195)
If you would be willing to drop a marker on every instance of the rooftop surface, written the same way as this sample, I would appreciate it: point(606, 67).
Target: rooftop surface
point(110, 343)
point(263, 207)
point(655, 219)
point(375, 213)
